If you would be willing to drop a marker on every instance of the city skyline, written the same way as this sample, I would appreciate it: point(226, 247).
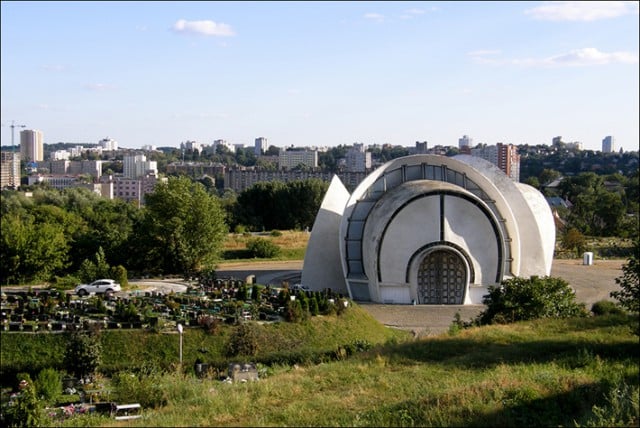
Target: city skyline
point(321, 73)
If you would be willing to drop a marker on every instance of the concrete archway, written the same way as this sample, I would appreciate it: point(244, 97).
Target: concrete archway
point(442, 277)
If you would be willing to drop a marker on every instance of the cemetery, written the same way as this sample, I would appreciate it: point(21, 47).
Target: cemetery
point(227, 300)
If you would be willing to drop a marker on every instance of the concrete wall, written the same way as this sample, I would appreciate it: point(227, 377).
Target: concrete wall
point(499, 229)
point(322, 267)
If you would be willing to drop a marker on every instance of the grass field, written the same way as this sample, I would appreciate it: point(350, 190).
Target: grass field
point(293, 244)
point(581, 372)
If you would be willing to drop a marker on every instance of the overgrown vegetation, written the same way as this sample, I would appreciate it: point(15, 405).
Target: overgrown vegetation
point(547, 372)
point(629, 282)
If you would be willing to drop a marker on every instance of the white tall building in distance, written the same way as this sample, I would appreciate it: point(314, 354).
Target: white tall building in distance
point(465, 141)
point(108, 144)
point(138, 166)
point(31, 145)
point(358, 159)
point(608, 144)
point(261, 146)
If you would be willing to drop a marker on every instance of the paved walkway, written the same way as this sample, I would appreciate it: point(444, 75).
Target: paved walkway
point(591, 283)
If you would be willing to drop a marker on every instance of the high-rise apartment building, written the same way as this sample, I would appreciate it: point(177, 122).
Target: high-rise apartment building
point(289, 159)
point(138, 166)
point(608, 144)
point(261, 146)
point(31, 145)
point(9, 170)
point(358, 159)
point(108, 144)
point(465, 141)
point(504, 156)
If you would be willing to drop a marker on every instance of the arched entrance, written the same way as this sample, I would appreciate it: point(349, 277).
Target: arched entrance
point(442, 278)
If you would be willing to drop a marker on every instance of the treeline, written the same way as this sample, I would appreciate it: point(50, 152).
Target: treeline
point(599, 205)
point(70, 235)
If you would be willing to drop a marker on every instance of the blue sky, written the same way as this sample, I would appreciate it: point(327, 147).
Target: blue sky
point(321, 73)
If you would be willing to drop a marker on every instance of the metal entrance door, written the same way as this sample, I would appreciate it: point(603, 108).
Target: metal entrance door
point(441, 279)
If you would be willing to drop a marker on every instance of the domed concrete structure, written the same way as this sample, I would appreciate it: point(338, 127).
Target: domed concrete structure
point(429, 229)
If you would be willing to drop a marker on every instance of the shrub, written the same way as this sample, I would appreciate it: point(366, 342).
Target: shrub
point(262, 248)
point(275, 233)
point(294, 311)
point(143, 388)
point(606, 307)
point(520, 299)
point(243, 340)
point(25, 410)
point(49, 385)
point(83, 354)
point(629, 282)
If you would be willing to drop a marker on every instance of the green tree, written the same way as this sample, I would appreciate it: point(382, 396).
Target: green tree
point(83, 353)
point(183, 228)
point(26, 410)
point(30, 251)
point(629, 282)
point(573, 240)
point(244, 340)
point(49, 385)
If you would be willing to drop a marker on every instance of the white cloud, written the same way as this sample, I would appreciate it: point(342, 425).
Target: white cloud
point(582, 10)
point(54, 67)
point(98, 86)
point(374, 17)
point(483, 52)
point(203, 28)
point(414, 11)
point(411, 13)
point(591, 56)
point(576, 58)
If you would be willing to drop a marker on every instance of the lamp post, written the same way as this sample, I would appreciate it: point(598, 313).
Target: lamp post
point(180, 329)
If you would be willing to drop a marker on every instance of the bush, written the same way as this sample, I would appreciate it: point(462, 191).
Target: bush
point(244, 340)
point(49, 385)
point(629, 282)
point(606, 307)
point(25, 410)
point(262, 248)
point(143, 388)
point(83, 354)
point(520, 299)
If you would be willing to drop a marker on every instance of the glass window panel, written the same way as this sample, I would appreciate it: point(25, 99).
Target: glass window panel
point(355, 267)
point(394, 178)
point(361, 210)
point(413, 172)
point(353, 250)
point(355, 230)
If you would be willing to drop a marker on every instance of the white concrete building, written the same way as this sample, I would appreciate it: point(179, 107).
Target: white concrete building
point(465, 141)
point(138, 166)
point(108, 144)
point(358, 159)
point(261, 146)
point(429, 229)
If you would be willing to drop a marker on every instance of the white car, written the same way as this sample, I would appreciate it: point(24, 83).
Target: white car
point(99, 286)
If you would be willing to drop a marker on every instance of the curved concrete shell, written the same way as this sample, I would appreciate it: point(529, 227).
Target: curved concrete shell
point(430, 229)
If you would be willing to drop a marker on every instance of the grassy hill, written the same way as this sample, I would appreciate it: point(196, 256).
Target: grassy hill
point(576, 372)
point(131, 349)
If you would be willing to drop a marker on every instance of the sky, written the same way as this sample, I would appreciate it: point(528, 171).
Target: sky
point(321, 73)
